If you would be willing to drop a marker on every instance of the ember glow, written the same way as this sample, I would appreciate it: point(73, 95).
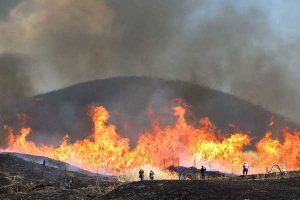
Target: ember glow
point(104, 150)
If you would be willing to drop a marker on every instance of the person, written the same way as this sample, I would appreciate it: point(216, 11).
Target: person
point(180, 176)
point(141, 174)
point(151, 175)
point(68, 184)
point(203, 170)
point(245, 169)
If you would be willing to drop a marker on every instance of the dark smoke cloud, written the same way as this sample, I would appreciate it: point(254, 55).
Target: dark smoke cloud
point(14, 81)
point(222, 47)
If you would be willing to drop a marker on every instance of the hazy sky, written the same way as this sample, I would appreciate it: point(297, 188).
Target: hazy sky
point(247, 48)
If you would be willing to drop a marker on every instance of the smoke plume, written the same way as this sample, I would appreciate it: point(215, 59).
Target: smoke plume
point(217, 45)
point(14, 81)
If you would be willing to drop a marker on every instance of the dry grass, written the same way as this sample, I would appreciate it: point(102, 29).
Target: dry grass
point(160, 174)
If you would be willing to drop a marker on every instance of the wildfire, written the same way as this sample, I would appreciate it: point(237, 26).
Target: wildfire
point(106, 151)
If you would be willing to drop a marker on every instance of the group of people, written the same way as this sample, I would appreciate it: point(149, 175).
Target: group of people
point(202, 171)
point(142, 173)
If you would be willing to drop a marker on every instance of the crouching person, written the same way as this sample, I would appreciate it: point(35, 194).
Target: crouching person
point(68, 184)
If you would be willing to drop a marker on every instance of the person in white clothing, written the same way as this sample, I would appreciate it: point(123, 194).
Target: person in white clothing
point(245, 169)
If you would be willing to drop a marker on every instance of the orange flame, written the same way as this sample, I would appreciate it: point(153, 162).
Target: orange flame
point(107, 152)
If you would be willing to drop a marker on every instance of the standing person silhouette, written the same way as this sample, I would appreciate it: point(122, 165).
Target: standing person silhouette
point(203, 170)
point(151, 175)
point(245, 169)
point(141, 174)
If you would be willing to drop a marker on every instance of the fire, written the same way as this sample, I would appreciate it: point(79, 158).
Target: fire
point(104, 150)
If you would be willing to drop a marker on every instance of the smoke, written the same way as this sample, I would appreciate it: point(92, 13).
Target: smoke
point(215, 44)
point(66, 39)
point(14, 81)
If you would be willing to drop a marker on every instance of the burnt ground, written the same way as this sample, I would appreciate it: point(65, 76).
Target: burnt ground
point(212, 189)
point(24, 180)
point(21, 179)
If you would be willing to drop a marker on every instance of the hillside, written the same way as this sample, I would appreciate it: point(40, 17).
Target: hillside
point(129, 100)
point(22, 179)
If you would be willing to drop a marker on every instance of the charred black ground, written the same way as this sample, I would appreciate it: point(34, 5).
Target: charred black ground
point(242, 189)
point(27, 179)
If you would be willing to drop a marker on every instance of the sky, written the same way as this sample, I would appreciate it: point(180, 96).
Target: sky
point(246, 48)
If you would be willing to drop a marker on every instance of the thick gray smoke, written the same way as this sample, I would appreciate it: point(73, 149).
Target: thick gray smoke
point(220, 46)
point(14, 80)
